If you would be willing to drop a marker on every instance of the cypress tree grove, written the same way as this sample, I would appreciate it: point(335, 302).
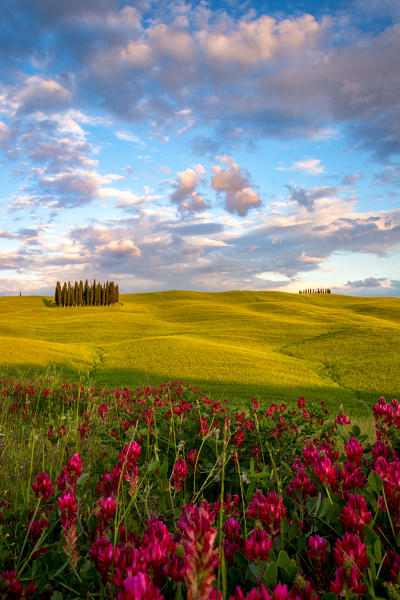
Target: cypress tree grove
point(78, 294)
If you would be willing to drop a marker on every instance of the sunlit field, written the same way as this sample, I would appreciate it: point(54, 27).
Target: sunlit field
point(272, 345)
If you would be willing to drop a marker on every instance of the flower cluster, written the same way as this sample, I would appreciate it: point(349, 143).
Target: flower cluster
point(185, 497)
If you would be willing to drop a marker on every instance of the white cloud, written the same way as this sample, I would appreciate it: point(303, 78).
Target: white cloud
point(129, 137)
point(312, 166)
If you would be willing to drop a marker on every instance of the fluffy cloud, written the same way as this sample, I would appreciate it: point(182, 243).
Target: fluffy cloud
point(185, 195)
point(368, 282)
point(234, 182)
point(38, 93)
point(266, 75)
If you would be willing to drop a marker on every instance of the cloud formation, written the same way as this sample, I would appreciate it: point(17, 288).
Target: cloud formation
point(185, 196)
point(234, 182)
point(312, 166)
point(118, 124)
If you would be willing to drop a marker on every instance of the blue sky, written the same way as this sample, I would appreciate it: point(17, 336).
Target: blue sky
point(200, 145)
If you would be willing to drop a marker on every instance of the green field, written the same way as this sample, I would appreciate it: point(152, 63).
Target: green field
point(272, 345)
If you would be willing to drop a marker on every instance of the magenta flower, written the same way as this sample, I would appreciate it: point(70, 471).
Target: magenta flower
point(180, 473)
point(102, 555)
point(254, 594)
point(348, 582)
point(354, 451)
point(355, 514)
point(68, 506)
point(11, 588)
point(43, 487)
point(269, 510)
point(201, 557)
point(70, 473)
point(317, 550)
point(341, 419)
point(350, 548)
point(233, 541)
point(258, 545)
point(139, 587)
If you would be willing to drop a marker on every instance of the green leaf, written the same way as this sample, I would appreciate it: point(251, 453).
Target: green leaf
point(283, 559)
point(164, 468)
point(252, 573)
point(271, 574)
point(252, 464)
point(293, 532)
point(370, 535)
point(378, 551)
point(285, 575)
point(375, 482)
point(333, 513)
point(56, 596)
point(301, 542)
point(153, 466)
point(324, 507)
point(250, 491)
point(355, 432)
point(292, 569)
point(329, 596)
point(82, 479)
point(398, 541)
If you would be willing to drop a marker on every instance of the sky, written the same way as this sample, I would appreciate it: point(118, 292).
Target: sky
point(200, 145)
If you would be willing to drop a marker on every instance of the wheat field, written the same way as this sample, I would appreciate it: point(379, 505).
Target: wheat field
point(275, 346)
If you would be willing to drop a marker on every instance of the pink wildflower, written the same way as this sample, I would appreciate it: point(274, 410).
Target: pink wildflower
point(258, 545)
point(201, 557)
point(354, 451)
point(180, 473)
point(233, 541)
point(139, 587)
point(43, 487)
point(350, 548)
point(355, 514)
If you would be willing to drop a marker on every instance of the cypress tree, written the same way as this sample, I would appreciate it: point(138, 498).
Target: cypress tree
point(111, 293)
point(76, 294)
point(64, 295)
point(86, 293)
point(58, 294)
point(117, 294)
point(93, 292)
point(80, 293)
point(98, 294)
point(106, 296)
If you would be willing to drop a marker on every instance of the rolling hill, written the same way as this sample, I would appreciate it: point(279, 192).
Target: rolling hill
point(239, 344)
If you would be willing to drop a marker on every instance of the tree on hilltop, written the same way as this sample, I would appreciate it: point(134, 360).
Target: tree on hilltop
point(57, 295)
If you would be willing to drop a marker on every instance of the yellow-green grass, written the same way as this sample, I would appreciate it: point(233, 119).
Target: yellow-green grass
point(272, 345)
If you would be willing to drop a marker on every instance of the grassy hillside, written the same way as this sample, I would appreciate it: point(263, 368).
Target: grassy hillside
point(237, 344)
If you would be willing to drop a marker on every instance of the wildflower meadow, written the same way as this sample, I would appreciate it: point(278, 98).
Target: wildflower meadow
point(162, 492)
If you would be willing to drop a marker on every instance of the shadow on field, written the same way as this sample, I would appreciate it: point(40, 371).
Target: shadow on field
point(354, 402)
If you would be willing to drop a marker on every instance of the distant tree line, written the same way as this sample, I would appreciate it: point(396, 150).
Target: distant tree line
point(316, 291)
point(79, 294)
